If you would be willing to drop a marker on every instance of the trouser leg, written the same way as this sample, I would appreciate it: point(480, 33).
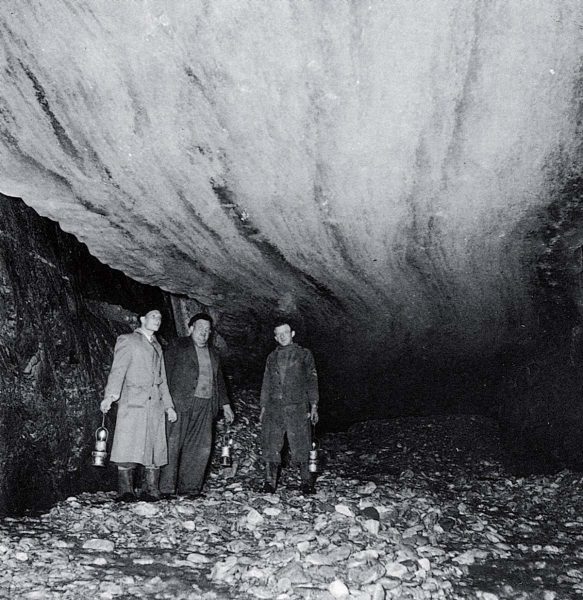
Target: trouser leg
point(305, 475)
point(299, 437)
point(272, 439)
point(298, 434)
point(271, 472)
point(307, 486)
point(196, 449)
point(125, 483)
point(175, 433)
point(151, 491)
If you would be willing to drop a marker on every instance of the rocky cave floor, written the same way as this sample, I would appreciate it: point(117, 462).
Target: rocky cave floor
point(406, 508)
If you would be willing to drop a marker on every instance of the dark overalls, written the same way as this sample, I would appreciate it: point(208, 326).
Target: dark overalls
point(290, 388)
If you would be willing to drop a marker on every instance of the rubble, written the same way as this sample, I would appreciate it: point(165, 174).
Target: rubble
point(458, 527)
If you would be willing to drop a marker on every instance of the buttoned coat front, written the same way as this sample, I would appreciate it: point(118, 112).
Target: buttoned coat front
point(289, 390)
point(182, 371)
point(138, 378)
point(295, 382)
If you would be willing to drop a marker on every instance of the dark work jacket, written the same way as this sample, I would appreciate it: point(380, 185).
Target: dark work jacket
point(297, 385)
point(182, 375)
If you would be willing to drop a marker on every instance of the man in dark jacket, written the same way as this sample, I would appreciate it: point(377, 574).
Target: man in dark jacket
point(197, 386)
point(289, 403)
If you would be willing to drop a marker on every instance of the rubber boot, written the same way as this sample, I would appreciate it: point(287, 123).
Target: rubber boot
point(125, 485)
point(151, 491)
point(270, 484)
point(307, 486)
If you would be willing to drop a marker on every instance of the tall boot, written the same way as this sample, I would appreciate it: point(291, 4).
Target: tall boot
point(307, 486)
point(151, 492)
point(270, 484)
point(125, 485)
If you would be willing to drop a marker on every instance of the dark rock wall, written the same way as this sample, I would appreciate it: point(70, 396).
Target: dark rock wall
point(60, 312)
point(539, 388)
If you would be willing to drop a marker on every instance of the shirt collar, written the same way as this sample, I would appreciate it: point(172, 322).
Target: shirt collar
point(151, 338)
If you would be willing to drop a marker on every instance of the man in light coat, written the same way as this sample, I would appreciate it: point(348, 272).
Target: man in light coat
point(198, 389)
point(138, 381)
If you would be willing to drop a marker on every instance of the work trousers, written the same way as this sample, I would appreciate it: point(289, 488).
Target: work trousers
point(278, 421)
point(189, 448)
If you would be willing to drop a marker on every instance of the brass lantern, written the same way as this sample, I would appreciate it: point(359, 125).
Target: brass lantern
point(99, 455)
point(226, 458)
point(314, 459)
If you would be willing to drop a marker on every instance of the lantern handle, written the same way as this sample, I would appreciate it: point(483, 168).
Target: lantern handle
point(102, 425)
point(315, 443)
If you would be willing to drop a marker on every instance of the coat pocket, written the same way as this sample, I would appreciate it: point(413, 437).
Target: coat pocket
point(137, 396)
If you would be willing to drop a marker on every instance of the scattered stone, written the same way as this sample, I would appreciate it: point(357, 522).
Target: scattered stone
point(372, 526)
point(271, 511)
point(344, 510)
point(222, 570)
point(109, 587)
point(338, 589)
point(284, 584)
point(317, 558)
point(199, 559)
point(145, 509)
point(413, 538)
point(367, 489)
point(254, 518)
point(370, 512)
point(395, 569)
point(99, 544)
point(294, 572)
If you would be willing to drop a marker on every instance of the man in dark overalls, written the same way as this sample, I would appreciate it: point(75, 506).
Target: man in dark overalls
point(289, 404)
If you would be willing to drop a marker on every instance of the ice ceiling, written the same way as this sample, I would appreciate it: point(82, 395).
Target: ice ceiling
point(372, 164)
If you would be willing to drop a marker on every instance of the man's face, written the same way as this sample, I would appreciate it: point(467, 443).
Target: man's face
point(200, 332)
point(151, 321)
point(284, 335)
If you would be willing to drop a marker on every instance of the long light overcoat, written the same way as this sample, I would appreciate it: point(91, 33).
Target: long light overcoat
point(138, 377)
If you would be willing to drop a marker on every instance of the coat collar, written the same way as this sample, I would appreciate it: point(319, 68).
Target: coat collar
point(155, 344)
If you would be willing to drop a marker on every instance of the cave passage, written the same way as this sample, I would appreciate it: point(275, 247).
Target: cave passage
point(63, 310)
point(401, 180)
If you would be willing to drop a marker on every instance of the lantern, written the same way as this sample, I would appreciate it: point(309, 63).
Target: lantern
point(226, 458)
point(314, 460)
point(99, 455)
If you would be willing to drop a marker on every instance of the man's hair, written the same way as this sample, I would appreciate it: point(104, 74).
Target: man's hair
point(147, 309)
point(198, 317)
point(281, 321)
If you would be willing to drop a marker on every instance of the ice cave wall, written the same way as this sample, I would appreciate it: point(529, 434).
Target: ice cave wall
point(376, 166)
